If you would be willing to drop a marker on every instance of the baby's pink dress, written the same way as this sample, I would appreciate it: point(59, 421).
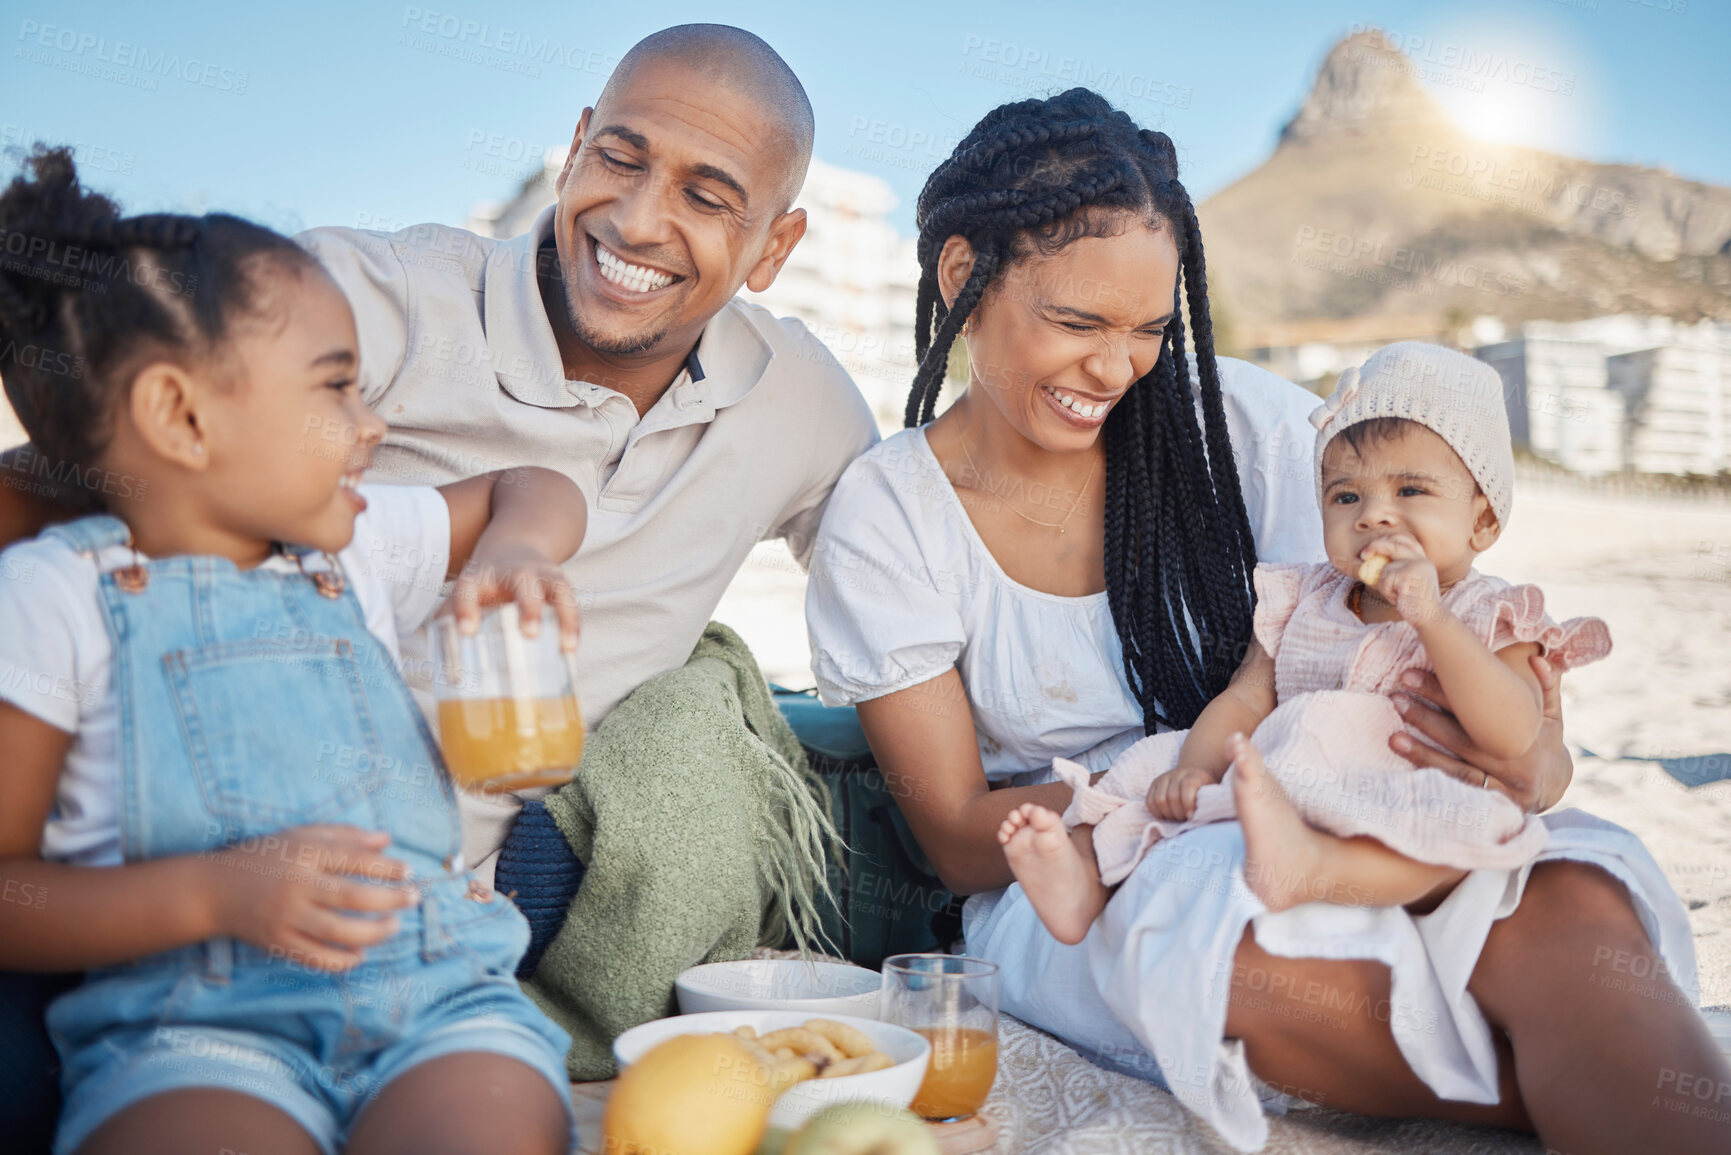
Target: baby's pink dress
point(1327, 740)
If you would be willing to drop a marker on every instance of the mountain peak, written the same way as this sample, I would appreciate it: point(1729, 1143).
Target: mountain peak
point(1365, 84)
point(1377, 220)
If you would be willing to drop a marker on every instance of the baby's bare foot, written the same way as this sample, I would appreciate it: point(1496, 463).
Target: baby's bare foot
point(1283, 856)
point(1064, 890)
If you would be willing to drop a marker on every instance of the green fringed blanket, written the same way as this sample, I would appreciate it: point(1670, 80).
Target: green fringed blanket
point(704, 833)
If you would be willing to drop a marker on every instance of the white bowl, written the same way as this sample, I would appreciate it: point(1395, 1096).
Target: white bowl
point(824, 989)
point(894, 1086)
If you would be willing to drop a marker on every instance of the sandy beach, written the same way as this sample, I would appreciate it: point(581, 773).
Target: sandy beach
point(1659, 572)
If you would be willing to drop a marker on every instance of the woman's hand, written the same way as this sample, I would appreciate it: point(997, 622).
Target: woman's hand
point(1535, 780)
point(299, 894)
point(521, 574)
point(1172, 797)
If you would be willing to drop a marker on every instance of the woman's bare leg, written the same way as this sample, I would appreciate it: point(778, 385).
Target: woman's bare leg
point(200, 1119)
point(469, 1103)
point(1609, 1054)
point(1318, 1029)
point(1590, 1069)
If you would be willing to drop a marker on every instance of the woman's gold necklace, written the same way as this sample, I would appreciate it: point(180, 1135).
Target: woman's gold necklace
point(1057, 525)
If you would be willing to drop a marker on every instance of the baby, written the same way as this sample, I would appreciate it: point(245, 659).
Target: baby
point(1415, 480)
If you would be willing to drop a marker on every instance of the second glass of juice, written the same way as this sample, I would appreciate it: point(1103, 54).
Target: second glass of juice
point(508, 716)
point(953, 1001)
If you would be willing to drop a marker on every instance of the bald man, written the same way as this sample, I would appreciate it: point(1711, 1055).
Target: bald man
point(607, 343)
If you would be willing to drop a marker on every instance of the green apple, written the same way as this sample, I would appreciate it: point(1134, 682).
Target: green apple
point(774, 1141)
point(862, 1129)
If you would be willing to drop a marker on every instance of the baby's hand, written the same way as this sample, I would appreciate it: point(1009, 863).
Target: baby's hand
point(1406, 578)
point(1173, 795)
point(518, 574)
point(299, 894)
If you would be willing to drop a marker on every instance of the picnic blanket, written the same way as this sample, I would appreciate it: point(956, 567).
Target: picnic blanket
point(704, 834)
point(1050, 1100)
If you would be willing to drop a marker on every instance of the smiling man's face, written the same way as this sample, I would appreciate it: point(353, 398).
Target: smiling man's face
point(675, 195)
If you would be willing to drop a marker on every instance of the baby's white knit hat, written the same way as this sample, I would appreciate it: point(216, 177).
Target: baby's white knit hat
point(1457, 397)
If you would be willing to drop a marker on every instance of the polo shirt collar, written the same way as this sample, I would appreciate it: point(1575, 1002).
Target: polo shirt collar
point(729, 360)
point(519, 337)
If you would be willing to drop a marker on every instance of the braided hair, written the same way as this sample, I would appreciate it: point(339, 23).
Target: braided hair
point(1037, 175)
point(86, 295)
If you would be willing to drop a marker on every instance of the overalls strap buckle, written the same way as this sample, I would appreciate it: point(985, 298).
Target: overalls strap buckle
point(329, 581)
point(91, 535)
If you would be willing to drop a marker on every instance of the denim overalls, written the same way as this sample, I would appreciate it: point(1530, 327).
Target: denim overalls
point(250, 702)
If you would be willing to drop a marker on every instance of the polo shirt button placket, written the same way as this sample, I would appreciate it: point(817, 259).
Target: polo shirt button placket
point(692, 395)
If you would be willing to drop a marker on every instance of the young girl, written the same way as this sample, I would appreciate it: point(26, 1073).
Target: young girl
point(218, 793)
point(1415, 480)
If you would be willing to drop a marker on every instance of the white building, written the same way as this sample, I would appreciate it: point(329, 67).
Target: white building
point(851, 279)
point(1590, 430)
point(1600, 395)
point(1676, 396)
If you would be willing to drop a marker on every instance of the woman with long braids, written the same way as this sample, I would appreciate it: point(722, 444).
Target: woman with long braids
point(1060, 562)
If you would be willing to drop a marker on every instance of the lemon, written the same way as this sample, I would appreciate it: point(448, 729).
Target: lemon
point(690, 1095)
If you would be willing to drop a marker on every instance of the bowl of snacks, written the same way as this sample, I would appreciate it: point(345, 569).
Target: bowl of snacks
point(797, 1062)
point(770, 984)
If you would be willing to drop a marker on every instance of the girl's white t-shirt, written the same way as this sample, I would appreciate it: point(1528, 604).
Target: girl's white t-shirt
point(902, 588)
point(56, 658)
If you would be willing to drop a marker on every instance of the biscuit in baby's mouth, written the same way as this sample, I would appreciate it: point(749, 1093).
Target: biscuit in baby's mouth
point(1371, 569)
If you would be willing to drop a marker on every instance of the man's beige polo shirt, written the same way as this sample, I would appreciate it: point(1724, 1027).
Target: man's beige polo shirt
point(458, 357)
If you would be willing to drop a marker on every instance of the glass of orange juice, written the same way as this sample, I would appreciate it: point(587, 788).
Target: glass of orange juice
point(508, 716)
point(953, 1001)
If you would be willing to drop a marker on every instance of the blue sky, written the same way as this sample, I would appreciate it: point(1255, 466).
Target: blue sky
point(382, 114)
